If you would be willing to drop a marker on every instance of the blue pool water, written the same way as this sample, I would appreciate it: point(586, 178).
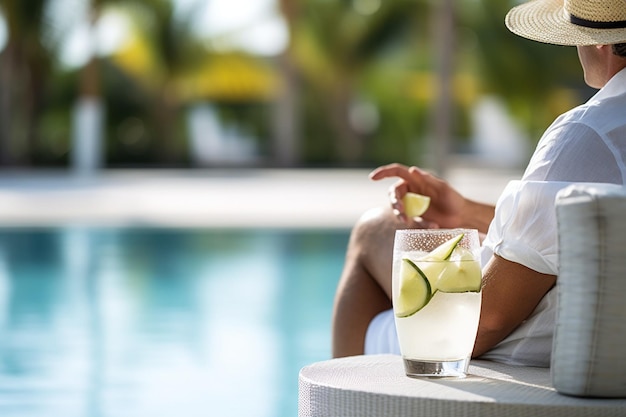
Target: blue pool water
point(107, 322)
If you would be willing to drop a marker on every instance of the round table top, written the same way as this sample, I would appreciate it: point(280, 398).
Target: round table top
point(376, 385)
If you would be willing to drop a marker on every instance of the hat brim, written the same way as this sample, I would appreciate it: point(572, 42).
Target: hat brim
point(546, 21)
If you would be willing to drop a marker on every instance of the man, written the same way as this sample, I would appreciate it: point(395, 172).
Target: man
point(520, 265)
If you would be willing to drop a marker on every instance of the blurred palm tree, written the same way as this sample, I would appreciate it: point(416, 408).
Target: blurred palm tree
point(332, 44)
point(287, 136)
point(89, 115)
point(161, 53)
point(90, 84)
point(536, 81)
point(170, 47)
point(24, 65)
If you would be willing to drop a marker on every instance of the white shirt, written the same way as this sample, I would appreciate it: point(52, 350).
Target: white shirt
point(586, 144)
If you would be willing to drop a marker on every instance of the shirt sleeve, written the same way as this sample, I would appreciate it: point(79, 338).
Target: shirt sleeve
point(524, 229)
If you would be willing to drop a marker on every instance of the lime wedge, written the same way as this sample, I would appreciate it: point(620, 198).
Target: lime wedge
point(415, 204)
point(414, 290)
point(443, 251)
point(461, 275)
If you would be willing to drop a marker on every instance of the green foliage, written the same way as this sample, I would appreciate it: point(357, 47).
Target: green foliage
point(24, 63)
point(336, 48)
point(340, 52)
point(524, 73)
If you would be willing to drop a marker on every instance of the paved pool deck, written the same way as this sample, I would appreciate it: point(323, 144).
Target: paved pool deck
point(275, 198)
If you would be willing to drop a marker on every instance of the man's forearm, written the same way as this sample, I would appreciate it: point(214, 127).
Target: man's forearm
point(478, 215)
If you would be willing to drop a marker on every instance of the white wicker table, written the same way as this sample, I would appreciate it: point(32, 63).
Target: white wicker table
point(376, 386)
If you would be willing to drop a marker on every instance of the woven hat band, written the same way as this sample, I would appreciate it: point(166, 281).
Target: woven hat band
point(597, 25)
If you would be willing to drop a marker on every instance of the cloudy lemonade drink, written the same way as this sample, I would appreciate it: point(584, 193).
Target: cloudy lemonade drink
point(436, 299)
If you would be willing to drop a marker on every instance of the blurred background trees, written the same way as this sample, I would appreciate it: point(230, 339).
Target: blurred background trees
point(353, 83)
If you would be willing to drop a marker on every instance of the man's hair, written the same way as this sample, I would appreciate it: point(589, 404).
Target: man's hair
point(619, 49)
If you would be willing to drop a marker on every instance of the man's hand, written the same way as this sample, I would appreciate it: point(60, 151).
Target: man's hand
point(446, 204)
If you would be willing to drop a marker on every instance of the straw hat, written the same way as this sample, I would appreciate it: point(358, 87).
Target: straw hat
point(570, 22)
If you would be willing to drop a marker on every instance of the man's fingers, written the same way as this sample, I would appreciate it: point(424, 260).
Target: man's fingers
point(391, 170)
point(397, 190)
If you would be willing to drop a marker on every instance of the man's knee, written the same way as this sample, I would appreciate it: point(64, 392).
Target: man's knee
point(376, 221)
point(372, 224)
point(373, 234)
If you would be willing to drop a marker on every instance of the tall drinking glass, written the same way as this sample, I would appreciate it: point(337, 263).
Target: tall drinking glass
point(436, 299)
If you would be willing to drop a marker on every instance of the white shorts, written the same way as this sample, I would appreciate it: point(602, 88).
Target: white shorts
point(381, 336)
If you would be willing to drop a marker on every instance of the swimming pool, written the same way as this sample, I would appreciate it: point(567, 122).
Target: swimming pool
point(162, 322)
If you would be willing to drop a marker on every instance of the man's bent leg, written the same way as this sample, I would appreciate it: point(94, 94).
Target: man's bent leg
point(364, 288)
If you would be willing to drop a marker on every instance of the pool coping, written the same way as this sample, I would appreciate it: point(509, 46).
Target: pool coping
point(241, 198)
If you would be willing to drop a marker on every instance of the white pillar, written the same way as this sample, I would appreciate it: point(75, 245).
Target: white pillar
point(86, 154)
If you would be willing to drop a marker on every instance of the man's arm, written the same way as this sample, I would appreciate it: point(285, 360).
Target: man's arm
point(478, 215)
point(510, 293)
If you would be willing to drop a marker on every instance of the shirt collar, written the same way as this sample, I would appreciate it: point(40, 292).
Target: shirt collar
point(614, 87)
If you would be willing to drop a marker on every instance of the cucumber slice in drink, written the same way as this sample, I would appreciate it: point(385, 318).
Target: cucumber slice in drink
point(461, 275)
point(414, 290)
point(444, 251)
